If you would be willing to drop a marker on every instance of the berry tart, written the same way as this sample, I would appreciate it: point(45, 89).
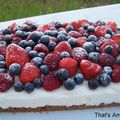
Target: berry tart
point(59, 66)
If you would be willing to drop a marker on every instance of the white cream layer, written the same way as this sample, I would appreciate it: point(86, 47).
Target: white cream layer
point(60, 97)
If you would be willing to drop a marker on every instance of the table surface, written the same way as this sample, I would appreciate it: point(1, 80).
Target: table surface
point(106, 13)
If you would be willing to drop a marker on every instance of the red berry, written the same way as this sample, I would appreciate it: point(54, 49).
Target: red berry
point(52, 60)
point(83, 22)
point(74, 34)
point(112, 25)
point(29, 72)
point(116, 38)
point(78, 53)
point(113, 44)
point(16, 40)
point(69, 64)
point(90, 70)
point(80, 41)
point(6, 82)
point(116, 74)
point(2, 49)
point(106, 60)
point(53, 39)
point(45, 27)
point(62, 46)
point(50, 82)
point(75, 24)
point(16, 54)
point(12, 27)
point(41, 48)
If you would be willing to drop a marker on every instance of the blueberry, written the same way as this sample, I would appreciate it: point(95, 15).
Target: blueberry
point(94, 56)
point(108, 49)
point(91, 28)
point(73, 42)
point(41, 55)
point(51, 46)
point(2, 58)
point(18, 87)
point(117, 61)
point(2, 64)
point(86, 26)
point(62, 32)
point(15, 69)
point(38, 83)
point(44, 69)
point(108, 36)
point(23, 43)
point(89, 47)
point(109, 31)
point(107, 70)
point(93, 83)
point(33, 27)
point(85, 35)
point(6, 31)
point(37, 61)
point(33, 54)
point(69, 28)
point(26, 28)
point(61, 37)
point(92, 38)
point(45, 39)
point(62, 74)
point(58, 25)
point(104, 80)
point(8, 38)
point(28, 49)
point(52, 33)
point(29, 87)
point(101, 23)
point(69, 84)
point(3, 70)
point(79, 78)
point(31, 43)
point(20, 34)
point(64, 55)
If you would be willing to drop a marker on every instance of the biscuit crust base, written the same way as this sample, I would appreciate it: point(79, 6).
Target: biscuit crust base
point(57, 108)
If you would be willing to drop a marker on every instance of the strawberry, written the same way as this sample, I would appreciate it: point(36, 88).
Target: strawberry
point(62, 46)
point(112, 25)
point(116, 38)
point(45, 27)
point(74, 34)
point(69, 64)
point(90, 70)
point(2, 49)
point(80, 41)
point(50, 82)
point(28, 73)
point(16, 54)
point(113, 44)
point(106, 60)
point(52, 60)
point(41, 48)
point(116, 73)
point(78, 53)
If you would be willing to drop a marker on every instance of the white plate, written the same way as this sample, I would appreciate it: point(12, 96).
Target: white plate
point(105, 13)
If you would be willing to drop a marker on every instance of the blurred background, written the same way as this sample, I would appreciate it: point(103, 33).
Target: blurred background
point(14, 9)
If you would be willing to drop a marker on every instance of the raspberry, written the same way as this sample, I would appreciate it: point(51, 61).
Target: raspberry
point(116, 38)
point(16, 40)
point(113, 44)
point(41, 48)
point(90, 70)
point(52, 60)
point(80, 41)
point(75, 25)
point(74, 34)
point(29, 72)
point(112, 25)
point(83, 22)
point(2, 49)
point(116, 73)
point(53, 39)
point(16, 54)
point(50, 82)
point(78, 53)
point(6, 82)
point(106, 60)
point(12, 27)
point(62, 46)
point(69, 64)
point(45, 27)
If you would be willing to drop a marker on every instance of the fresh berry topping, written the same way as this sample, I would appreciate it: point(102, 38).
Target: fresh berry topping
point(106, 60)
point(45, 39)
point(107, 70)
point(37, 61)
point(90, 70)
point(91, 28)
point(93, 84)
point(62, 46)
point(117, 61)
point(104, 80)
point(41, 48)
point(16, 54)
point(51, 46)
point(72, 41)
point(69, 28)
point(89, 47)
point(94, 57)
point(79, 78)
point(69, 84)
point(33, 54)
point(29, 87)
point(50, 82)
point(92, 38)
point(78, 53)
point(38, 83)
point(44, 69)
point(6, 82)
point(18, 87)
point(72, 67)
point(23, 43)
point(31, 43)
point(8, 38)
point(61, 37)
point(14, 69)
point(52, 61)
point(64, 55)
point(28, 73)
point(62, 74)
